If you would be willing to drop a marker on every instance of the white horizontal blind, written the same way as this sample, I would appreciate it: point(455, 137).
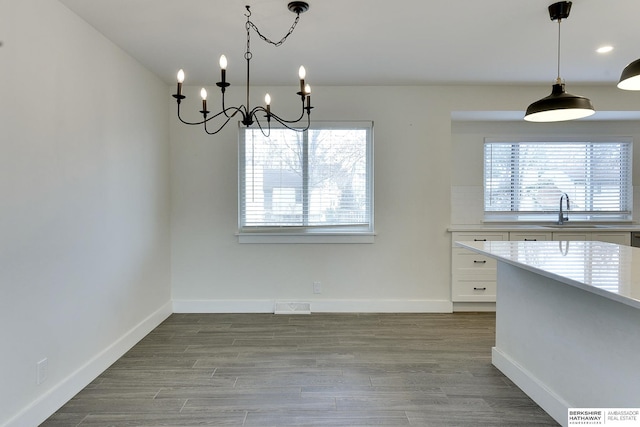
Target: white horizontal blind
point(530, 177)
point(317, 179)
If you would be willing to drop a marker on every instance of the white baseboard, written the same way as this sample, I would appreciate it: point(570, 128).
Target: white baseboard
point(474, 306)
point(552, 404)
point(224, 306)
point(44, 406)
point(317, 306)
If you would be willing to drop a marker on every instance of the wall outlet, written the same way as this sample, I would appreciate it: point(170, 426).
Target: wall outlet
point(42, 371)
point(317, 287)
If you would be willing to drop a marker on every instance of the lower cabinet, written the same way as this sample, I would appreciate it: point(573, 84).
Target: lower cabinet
point(473, 276)
point(563, 235)
point(534, 236)
point(619, 237)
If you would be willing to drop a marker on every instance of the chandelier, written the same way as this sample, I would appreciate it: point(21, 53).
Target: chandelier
point(248, 115)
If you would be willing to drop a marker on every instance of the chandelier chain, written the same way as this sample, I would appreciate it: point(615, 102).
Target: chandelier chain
point(263, 37)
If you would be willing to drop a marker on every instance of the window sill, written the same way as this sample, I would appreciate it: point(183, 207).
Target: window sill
point(313, 238)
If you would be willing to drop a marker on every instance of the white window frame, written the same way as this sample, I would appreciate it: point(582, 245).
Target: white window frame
point(311, 234)
point(552, 214)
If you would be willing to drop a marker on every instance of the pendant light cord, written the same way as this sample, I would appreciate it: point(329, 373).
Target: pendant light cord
point(559, 80)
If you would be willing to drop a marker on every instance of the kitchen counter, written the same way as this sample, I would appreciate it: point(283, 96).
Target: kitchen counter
point(569, 226)
point(568, 322)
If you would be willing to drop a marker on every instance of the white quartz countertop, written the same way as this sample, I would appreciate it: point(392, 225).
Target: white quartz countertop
point(606, 269)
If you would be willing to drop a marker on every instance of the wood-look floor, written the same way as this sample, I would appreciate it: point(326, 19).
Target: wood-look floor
point(307, 370)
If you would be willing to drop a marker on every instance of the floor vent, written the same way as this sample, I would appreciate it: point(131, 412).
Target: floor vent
point(293, 308)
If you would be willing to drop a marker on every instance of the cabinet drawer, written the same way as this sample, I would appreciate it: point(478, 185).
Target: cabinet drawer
point(473, 290)
point(532, 237)
point(459, 236)
point(467, 262)
point(619, 237)
point(571, 236)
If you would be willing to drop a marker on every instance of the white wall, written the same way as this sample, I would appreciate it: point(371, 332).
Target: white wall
point(405, 269)
point(416, 167)
point(84, 205)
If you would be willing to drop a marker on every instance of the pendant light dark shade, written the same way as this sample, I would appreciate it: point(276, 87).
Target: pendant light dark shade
point(630, 77)
point(559, 106)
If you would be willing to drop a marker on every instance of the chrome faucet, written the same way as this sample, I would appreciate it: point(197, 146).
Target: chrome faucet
point(562, 217)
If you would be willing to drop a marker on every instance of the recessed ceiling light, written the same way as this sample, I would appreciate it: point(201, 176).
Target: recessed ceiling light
point(604, 49)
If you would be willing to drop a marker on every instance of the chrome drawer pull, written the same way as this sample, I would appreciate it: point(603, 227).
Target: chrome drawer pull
point(479, 262)
point(479, 289)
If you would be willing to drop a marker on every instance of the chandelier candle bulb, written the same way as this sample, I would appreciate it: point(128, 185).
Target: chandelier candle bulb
point(203, 94)
point(223, 68)
point(180, 81)
point(307, 91)
point(302, 73)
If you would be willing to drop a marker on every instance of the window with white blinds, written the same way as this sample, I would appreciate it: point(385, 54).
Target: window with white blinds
point(317, 181)
point(525, 180)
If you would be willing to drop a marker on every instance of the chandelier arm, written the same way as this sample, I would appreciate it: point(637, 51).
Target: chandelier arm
point(225, 109)
point(186, 122)
point(285, 123)
point(268, 133)
point(279, 119)
point(203, 122)
point(221, 126)
point(258, 109)
point(241, 109)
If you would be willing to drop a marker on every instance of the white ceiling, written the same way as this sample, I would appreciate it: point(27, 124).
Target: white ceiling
point(374, 42)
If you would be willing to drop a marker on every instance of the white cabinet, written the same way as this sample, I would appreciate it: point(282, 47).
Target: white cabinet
point(571, 236)
point(473, 276)
point(530, 236)
point(619, 237)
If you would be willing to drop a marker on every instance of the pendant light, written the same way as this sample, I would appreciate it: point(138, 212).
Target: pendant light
point(560, 105)
point(630, 78)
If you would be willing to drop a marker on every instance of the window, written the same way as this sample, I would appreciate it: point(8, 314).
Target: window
point(525, 180)
point(317, 182)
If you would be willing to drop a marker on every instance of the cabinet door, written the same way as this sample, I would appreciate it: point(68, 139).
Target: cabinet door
point(619, 237)
point(530, 236)
point(571, 235)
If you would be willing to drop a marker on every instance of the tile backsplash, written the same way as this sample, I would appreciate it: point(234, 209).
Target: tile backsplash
point(467, 205)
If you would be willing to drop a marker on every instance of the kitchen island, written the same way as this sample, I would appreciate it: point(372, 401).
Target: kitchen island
point(568, 322)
